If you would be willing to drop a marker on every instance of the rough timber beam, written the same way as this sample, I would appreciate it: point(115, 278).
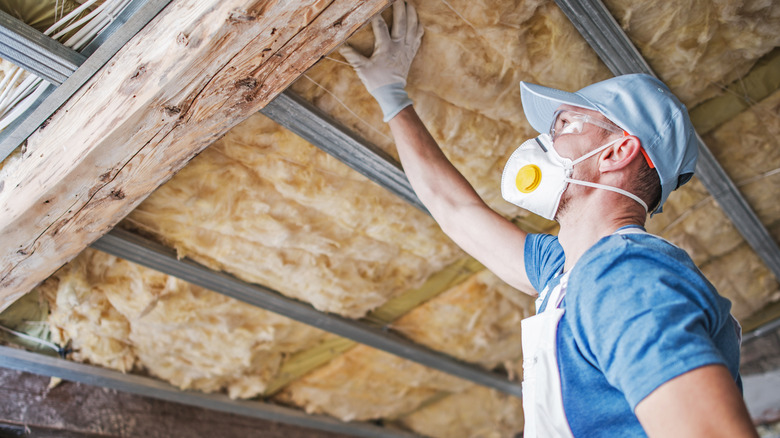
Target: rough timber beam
point(606, 37)
point(199, 68)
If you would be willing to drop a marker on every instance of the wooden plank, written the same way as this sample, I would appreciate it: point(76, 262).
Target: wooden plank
point(195, 71)
point(80, 410)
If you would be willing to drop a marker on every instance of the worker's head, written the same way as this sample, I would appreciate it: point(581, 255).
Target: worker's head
point(639, 105)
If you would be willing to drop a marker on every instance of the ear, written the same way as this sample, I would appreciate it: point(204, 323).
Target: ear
point(622, 153)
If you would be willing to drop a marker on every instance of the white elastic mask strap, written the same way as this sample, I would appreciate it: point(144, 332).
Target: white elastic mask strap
point(595, 151)
point(611, 189)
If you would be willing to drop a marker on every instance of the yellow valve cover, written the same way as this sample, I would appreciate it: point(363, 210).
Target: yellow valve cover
point(528, 178)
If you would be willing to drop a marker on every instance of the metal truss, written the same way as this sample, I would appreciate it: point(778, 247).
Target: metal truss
point(42, 364)
point(137, 249)
point(81, 65)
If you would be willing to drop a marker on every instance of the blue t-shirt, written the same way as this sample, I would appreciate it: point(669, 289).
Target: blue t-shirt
point(638, 312)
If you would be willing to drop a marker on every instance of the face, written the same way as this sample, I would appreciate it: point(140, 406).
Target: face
point(574, 143)
point(578, 130)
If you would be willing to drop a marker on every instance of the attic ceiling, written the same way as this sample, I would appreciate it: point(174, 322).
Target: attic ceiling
point(267, 207)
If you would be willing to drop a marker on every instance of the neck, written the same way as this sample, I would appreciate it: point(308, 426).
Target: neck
point(579, 231)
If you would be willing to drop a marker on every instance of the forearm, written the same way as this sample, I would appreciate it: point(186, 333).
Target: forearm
point(438, 184)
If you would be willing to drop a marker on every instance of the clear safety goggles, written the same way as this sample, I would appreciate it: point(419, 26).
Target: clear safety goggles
point(573, 122)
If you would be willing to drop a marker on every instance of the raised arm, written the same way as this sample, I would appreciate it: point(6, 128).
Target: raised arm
point(454, 204)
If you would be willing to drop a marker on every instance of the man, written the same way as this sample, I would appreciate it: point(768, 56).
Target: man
point(629, 338)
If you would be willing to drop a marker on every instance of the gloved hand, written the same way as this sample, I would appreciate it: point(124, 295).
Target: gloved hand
point(384, 73)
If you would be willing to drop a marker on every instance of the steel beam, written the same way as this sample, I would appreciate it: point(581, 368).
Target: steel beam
point(41, 364)
point(35, 52)
point(137, 249)
point(604, 34)
point(323, 131)
point(91, 59)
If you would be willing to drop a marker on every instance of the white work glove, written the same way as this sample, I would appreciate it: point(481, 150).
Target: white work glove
point(384, 73)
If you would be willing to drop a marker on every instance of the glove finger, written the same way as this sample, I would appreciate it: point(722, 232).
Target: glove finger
point(381, 34)
point(352, 56)
point(413, 26)
point(399, 19)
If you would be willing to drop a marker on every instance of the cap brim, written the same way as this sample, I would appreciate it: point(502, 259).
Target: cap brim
point(540, 103)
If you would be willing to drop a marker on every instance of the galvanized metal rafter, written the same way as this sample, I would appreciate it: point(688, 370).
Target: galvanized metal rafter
point(137, 249)
point(35, 52)
point(85, 63)
point(38, 363)
point(604, 34)
point(323, 131)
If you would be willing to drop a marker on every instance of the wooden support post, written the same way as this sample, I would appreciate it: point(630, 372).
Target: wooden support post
point(199, 68)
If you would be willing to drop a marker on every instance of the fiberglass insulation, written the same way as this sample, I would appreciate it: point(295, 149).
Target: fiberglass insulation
point(475, 412)
point(120, 315)
point(477, 320)
point(264, 205)
point(699, 46)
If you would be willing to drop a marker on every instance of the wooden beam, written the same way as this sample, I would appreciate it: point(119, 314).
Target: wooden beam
point(199, 68)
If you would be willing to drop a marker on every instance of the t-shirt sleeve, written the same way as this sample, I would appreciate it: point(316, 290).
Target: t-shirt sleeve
point(544, 258)
point(642, 318)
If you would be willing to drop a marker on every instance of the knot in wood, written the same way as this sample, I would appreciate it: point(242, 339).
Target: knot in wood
point(241, 16)
point(249, 83)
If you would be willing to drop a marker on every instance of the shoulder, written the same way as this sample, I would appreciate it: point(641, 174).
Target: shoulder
point(644, 273)
point(544, 258)
point(622, 258)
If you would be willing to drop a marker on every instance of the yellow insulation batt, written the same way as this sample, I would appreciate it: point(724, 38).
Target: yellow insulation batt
point(699, 46)
point(464, 81)
point(476, 412)
point(477, 321)
point(119, 314)
point(270, 208)
point(754, 167)
point(365, 383)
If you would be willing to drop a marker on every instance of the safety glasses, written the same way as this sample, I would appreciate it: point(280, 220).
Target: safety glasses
point(571, 122)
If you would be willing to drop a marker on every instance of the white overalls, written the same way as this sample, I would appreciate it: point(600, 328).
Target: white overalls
point(542, 395)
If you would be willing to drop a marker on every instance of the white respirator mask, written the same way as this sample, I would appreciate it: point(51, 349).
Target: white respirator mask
point(535, 177)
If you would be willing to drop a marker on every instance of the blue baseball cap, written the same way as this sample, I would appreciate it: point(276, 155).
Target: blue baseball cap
point(640, 104)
